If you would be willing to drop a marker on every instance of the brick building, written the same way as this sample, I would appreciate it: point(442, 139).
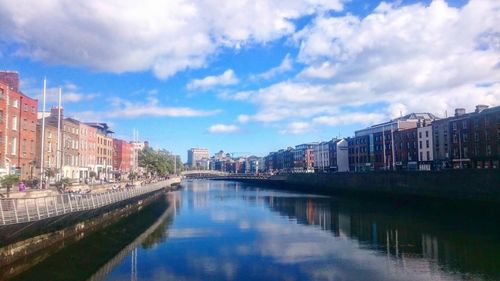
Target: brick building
point(87, 150)
point(406, 149)
point(18, 117)
point(70, 147)
point(122, 156)
point(303, 158)
point(104, 156)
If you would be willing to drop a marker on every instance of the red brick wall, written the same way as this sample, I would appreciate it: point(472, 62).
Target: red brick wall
point(11, 78)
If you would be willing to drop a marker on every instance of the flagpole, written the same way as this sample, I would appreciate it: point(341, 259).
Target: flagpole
point(58, 158)
point(42, 160)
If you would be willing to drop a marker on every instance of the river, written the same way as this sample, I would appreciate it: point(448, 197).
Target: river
point(218, 230)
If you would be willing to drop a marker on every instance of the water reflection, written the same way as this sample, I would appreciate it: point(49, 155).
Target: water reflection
point(229, 231)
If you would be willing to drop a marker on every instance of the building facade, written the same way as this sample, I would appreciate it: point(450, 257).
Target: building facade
point(425, 148)
point(379, 145)
point(195, 155)
point(406, 149)
point(122, 157)
point(104, 155)
point(18, 117)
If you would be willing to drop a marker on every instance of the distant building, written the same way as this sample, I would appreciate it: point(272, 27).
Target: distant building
point(374, 144)
point(123, 152)
point(322, 156)
point(468, 140)
point(406, 149)
point(195, 155)
point(339, 155)
point(104, 163)
point(303, 158)
point(425, 148)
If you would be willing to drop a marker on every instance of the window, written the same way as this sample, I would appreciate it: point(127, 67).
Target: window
point(428, 155)
point(419, 135)
point(427, 143)
point(426, 134)
point(15, 103)
point(1, 94)
point(14, 123)
point(14, 146)
point(420, 144)
point(488, 150)
point(1, 115)
point(454, 126)
point(464, 124)
point(421, 156)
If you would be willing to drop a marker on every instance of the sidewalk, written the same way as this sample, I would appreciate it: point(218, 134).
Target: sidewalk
point(51, 191)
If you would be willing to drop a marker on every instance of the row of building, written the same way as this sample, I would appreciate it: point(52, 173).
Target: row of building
point(417, 141)
point(78, 150)
point(200, 159)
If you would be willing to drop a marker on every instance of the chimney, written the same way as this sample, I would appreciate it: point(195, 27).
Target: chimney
point(459, 112)
point(480, 108)
point(54, 112)
point(11, 78)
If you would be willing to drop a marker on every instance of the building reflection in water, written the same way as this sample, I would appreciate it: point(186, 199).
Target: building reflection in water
point(410, 245)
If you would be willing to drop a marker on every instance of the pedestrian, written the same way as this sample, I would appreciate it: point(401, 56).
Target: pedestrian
point(22, 187)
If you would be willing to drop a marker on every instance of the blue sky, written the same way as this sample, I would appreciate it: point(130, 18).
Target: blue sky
point(251, 77)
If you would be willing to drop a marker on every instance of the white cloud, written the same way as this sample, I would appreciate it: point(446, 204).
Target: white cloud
point(350, 118)
point(225, 79)
point(222, 129)
point(162, 36)
point(285, 65)
point(398, 59)
point(121, 108)
point(296, 128)
point(71, 93)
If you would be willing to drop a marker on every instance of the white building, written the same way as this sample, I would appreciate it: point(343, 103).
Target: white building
point(339, 155)
point(322, 156)
point(425, 148)
point(196, 154)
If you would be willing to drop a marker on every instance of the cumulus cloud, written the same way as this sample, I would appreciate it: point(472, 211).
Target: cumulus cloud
point(296, 128)
point(164, 37)
point(285, 65)
point(225, 79)
point(70, 92)
point(398, 59)
point(222, 129)
point(121, 108)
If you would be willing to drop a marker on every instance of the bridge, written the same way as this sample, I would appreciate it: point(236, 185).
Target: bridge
point(25, 210)
point(203, 174)
point(208, 174)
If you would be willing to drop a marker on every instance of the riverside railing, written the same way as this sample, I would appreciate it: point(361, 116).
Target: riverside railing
point(17, 210)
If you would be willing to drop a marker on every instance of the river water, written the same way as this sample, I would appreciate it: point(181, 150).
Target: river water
point(220, 230)
point(230, 231)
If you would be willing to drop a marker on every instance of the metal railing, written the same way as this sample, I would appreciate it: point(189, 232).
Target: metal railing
point(14, 211)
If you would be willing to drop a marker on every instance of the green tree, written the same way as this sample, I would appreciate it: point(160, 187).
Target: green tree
point(158, 162)
point(9, 181)
point(132, 176)
point(63, 183)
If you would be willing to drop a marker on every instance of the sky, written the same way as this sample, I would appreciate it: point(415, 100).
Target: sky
point(250, 77)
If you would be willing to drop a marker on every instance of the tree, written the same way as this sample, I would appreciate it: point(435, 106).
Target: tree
point(157, 162)
point(132, 176)
point(64, 182)
point(50, 173)
point(8, 181)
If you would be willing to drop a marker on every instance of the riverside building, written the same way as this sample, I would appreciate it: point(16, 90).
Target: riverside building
point(18, 117)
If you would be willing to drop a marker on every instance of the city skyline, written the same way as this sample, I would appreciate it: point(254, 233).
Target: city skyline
point(305, 71)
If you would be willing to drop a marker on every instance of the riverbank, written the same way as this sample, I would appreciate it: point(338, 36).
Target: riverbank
point(37, 238)
point(80, 257)
point(472, 185)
